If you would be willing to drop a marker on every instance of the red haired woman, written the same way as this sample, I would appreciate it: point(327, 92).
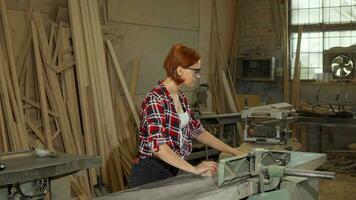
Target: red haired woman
point(168, 124)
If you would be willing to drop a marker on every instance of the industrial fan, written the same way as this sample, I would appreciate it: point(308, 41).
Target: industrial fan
point(342, 67)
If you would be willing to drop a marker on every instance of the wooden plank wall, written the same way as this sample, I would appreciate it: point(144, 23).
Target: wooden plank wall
point(56, 92)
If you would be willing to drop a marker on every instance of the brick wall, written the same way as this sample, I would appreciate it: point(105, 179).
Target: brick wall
point(259, 28)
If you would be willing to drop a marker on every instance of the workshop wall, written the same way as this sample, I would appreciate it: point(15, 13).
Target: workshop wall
point(260, 35)
point(147, 30)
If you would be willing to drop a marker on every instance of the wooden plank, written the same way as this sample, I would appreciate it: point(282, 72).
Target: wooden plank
point(5, 147)
point(228, 93)
point(41, 89)
point(76, 187)
point(37, 132)
point(91, 63)
point(51, 38)
point(134, 77)
point(110, 128)
point(126, 134)
point(82, 80)
point(297, 65)
point(62, 14)
point(285, 33)
point(104, 81)
point(24, 51)
point(6, 102)
point(54, 86)
point(72, 100)
point(19, 115)
point(123, 83)
point(38, 106)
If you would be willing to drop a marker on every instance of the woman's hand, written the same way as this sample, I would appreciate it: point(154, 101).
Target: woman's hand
point(237, 152)
point(206, 168)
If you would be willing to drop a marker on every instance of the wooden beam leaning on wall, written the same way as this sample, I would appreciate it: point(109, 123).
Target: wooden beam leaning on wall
point(83, 83)
point(94, 82)
point(85, 21)
point(123, 82)
point(134, 77)
point(285, 33)
point(19, 118)
point(229, 94)
point(297, 65)
point(41, 88)
point(69, 143)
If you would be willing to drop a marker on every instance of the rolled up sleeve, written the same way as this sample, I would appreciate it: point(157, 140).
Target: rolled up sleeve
point(155, 117)
point(197, 127)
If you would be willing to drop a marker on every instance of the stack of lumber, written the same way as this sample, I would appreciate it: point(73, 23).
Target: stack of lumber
point(222, 84)
point(59, 90)
point(325, 110)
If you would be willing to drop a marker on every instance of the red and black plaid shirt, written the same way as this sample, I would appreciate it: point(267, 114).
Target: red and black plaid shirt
point(160, 124)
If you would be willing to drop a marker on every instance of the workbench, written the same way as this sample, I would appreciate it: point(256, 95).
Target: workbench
point(221, 121)
point(27, 166)
point(188, 186)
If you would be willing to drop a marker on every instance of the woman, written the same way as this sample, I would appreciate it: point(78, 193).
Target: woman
point(168, 125)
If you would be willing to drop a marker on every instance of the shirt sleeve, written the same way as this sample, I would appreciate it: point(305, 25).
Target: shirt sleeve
point(155, 117)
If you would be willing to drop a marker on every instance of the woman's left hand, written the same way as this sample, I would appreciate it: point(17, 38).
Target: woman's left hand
point(237, 152)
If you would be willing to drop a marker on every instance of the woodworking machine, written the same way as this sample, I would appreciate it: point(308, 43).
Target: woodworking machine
point(268, 124)
point(260, 175)
point(29, 175)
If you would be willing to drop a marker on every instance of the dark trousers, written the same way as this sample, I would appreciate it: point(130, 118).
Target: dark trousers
point(149, 170)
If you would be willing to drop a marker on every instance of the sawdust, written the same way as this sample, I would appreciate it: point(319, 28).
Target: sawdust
point(343, 188)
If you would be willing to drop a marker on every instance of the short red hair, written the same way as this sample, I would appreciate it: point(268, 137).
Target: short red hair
point(179, 55)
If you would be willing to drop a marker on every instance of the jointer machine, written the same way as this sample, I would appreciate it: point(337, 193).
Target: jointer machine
point(265, 174)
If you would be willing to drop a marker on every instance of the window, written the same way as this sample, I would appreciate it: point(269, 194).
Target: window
point(326, 24)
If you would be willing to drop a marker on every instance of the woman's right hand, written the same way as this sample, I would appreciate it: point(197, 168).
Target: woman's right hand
point(206, 166)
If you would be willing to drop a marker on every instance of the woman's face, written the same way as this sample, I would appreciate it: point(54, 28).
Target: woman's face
point(191, 74)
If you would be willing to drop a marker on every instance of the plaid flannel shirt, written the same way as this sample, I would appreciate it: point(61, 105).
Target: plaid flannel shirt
point(160, 124)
